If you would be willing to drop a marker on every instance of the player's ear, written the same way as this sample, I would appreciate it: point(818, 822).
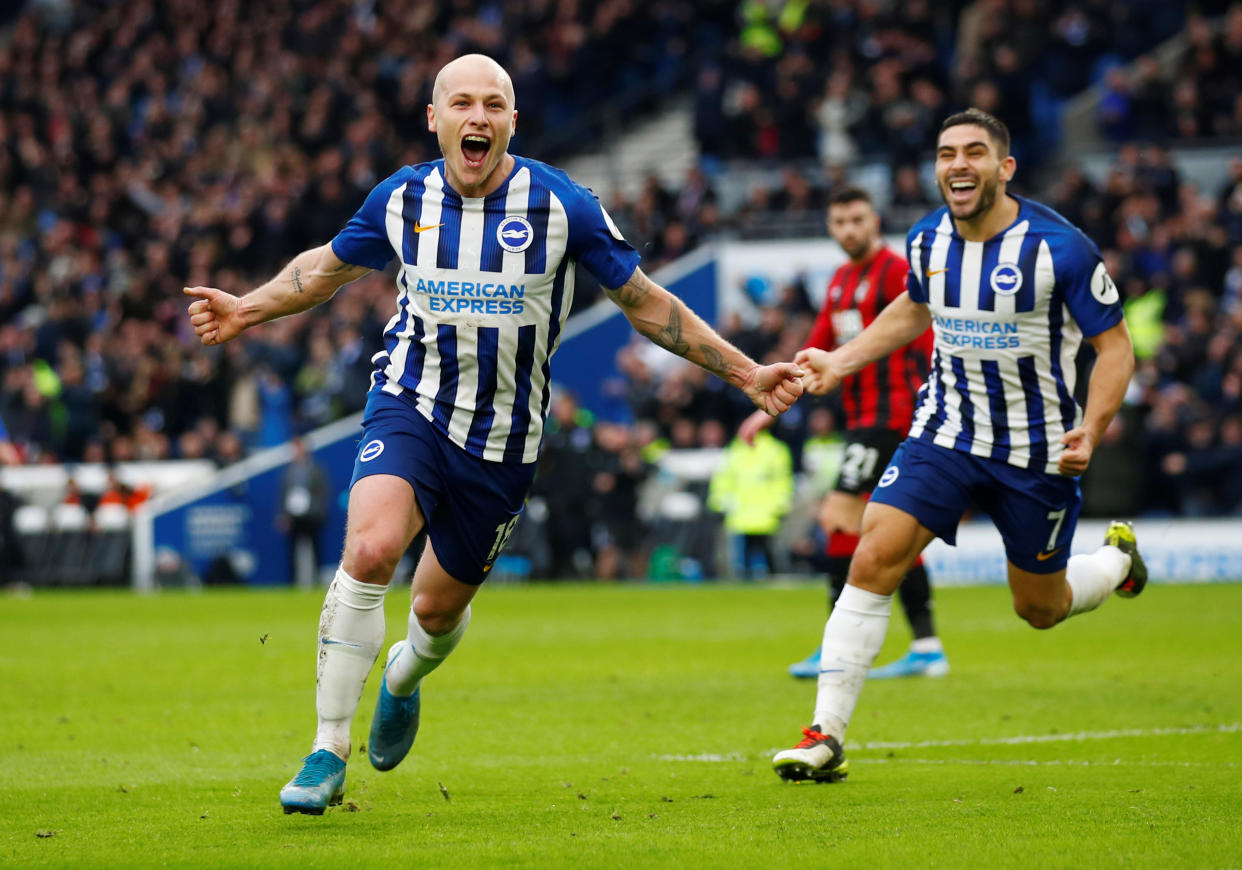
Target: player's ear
point(513, 123)
point(1007, 168)
point(431, 117)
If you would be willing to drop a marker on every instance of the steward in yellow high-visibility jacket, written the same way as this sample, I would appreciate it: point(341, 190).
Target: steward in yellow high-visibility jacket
point(754, 486)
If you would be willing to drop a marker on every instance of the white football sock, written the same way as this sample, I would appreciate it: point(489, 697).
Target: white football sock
point(926, 645)
point(351, 632)
point(1093, 578)
point(852, 639)
point(421, 654)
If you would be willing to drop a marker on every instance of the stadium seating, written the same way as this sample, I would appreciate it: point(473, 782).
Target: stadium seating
point(104, 215)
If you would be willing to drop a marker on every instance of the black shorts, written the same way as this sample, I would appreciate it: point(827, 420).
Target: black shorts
point(867, 454)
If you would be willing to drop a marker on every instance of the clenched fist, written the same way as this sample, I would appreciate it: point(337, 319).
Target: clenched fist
point(215, 315)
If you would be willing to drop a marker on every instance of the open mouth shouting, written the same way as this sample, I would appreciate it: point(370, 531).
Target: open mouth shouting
point(962, 189)
point(474, 150)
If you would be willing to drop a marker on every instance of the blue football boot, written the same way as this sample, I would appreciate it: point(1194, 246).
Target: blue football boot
point(395, 723)
point(913, 664)
point(319, 784)
point(808, 668)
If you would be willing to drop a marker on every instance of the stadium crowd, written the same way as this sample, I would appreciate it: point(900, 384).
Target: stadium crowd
point(147, 146)
point(151, 145)
point(835, 81)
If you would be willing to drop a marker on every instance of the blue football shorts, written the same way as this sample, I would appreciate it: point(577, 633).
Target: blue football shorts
point(1035, 512)
point(471, 505)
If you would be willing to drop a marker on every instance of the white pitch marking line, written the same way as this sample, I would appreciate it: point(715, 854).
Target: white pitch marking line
point(709, 757)
point(1227, 728)
point(1116, 762)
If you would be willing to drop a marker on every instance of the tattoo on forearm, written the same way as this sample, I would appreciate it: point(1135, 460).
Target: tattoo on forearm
point(297, 278)
point(713, 360)
point(344, 267)
point(670, 336)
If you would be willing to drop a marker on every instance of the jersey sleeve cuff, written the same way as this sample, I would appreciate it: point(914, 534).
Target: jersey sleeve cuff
point(355, 259)
point(1117, 315)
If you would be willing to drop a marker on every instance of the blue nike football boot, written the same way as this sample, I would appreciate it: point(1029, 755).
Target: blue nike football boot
point(395, 723)
point(913, 664)
point(319, 784)
point(808, 668)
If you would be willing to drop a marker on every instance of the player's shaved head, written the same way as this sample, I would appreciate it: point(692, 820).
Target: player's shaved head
point(473, 116)
point(473, 68)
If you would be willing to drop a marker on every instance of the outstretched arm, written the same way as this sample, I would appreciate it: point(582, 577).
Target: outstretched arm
point(901, 322)
point(310, 278)
point(660, 316)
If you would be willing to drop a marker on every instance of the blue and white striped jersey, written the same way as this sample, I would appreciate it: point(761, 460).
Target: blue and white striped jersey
point(483, 291)
point(1009, 315)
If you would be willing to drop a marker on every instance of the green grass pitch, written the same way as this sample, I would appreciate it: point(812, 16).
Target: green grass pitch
point(625, 726)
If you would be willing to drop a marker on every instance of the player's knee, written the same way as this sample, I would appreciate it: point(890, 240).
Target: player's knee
point(435, 616)
point(873, 570)
point(371, 557)
point(1036, 614)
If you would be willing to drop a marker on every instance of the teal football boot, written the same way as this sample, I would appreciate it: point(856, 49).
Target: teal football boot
point(395, 723)
point(319, 784)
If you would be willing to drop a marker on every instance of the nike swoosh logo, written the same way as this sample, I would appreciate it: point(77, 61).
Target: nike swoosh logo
point(1043, 557)
point(327, 641)
point(832, 670)
point(937, 271)
point(419, 228)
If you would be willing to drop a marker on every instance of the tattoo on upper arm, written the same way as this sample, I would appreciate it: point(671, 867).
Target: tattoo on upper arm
point(297, 279)
point(632, 293)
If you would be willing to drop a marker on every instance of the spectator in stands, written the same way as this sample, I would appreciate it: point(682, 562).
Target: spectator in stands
point(1115, 112)
point(1230, 202)
point(230, 449)
point(1231, 299)
point(909, 201)
point(1149, 100)
point(839, 109)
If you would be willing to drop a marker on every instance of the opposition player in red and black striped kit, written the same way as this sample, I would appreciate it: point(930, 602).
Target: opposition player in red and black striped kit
point(879, 404)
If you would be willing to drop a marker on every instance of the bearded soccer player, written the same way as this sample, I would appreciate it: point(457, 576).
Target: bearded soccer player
point(486, 243)
point(879, 403)
point(1011, 289)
